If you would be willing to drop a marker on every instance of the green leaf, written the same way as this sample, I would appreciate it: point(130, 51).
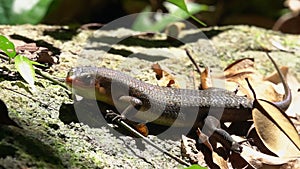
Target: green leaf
point(7, 47)
point(21, 12)
point(37, 63)
point(144, 21)
point(195, 166)
point(25, 68)
point(181, 4)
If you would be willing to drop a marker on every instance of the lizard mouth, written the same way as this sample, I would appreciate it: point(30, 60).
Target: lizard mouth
point(69, 80)
point(79, 78)
point(73, 81)
point(83, 77)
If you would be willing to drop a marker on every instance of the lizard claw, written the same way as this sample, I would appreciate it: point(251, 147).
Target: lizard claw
point(236, 147)
point(113, 116)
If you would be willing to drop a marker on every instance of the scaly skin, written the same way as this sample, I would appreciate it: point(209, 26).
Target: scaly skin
point(162, 104)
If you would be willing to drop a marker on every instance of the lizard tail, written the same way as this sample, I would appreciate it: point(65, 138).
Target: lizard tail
point(287, 99)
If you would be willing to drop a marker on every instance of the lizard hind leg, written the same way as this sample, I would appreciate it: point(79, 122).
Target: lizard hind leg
point(212, 126)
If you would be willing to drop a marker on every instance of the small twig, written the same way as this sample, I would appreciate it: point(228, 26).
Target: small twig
point(147, 140)
point(251, 88)
point(51, 79)
point(193, 61)
point(36, 100)
point(197, 67)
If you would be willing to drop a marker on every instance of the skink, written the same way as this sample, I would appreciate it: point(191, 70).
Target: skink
point(97, 83)
point(166, 106)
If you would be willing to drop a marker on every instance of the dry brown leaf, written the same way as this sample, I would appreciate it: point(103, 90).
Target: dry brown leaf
point(256, 141)
point(188, 147)
point(294, 109)
point(206, 81)
point(165, 78)
point(276, 130)
point(260, 160)
point(235, 75)
point(223, 164)
point(38, 54)
point(240, 65)
point(274, 77)
point(204, 139)
point(216, 159)
point(244, 68)
point(157, 69)
point(216, 81)
point(142, 128)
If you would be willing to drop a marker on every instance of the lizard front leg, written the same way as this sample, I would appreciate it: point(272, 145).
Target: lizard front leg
point(134, 104)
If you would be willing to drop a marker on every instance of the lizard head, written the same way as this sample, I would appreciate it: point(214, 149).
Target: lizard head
point(88, 83)
point(81, 77)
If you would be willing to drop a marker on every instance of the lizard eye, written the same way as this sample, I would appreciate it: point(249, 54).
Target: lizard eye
point(88, 79)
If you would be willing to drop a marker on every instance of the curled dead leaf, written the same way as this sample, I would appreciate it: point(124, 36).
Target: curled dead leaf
point(235, 75)
point(240, 65)
point(215, 157)
point(36, 53)
point(293, 110)
point(274, 77)
point(275, 129)
point(206, 80)
point(189, 149)
point(166, 78)
point(259, 160)
point(204, 139)
point(142, 128)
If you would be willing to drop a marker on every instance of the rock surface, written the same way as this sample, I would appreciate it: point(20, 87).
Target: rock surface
point(50, 140)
